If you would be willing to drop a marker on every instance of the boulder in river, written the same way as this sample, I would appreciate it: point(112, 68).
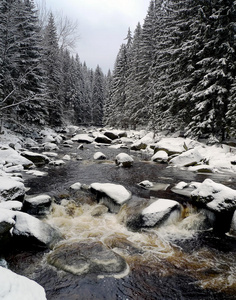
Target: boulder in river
point(80, 258)
point(189, 158)
point(214, 196)
point(102, 139)
point(37, 205)
point(160, 156)
point(11, 189)
point(99, 156)
point(37, 158)
point(83, 138)
point(124, 160)
point(34, 232)
point(160, 211)
point(111, 195)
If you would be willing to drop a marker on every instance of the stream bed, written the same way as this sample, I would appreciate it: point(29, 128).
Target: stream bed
point(175, 261)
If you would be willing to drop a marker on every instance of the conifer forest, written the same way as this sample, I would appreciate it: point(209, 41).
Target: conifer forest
point(175, 72)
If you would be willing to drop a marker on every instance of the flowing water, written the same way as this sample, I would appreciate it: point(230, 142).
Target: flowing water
point(176, 261)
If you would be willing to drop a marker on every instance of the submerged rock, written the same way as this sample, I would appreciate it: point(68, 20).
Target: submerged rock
point(80, 258)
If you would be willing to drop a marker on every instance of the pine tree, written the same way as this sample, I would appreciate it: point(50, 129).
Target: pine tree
point(52, 69)
point(98, 95)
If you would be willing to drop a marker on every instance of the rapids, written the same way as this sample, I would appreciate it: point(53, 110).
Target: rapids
point(179, 260)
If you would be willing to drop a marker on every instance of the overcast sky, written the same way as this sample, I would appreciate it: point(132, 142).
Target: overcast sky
point(103, 26)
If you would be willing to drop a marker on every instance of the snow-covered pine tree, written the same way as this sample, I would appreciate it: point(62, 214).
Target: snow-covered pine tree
point(107, 98)
point(52, 69)
point(20, 57)
point(216, 69)
point(134, 101)
point(98, 95)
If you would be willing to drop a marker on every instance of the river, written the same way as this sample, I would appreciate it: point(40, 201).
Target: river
point(176, 261)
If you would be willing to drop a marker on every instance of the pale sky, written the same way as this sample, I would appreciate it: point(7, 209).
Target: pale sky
point(103, 26)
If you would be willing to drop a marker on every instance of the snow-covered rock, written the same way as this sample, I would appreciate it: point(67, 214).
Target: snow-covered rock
point(58, 162)
point(37, 205)
point(160, 156)
point(66, 157)
point(6, 220)
point(159, 211)
point(111, 195)
point(50, 146)
point(11, 189)
point(143, 142)
point(189, 158)
point(146, 184)
point(102, 139)
point(171, 145)
point(34, 231)
point(112, 135)
point(76, 186)
point(124, 160)
point(99, 156)
point(82, 138)
point(214, 196)
point(9, 155)
point(11, 205)
point(37, 158)
point(14, 286)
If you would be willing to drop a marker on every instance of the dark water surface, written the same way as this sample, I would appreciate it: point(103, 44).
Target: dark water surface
point(175, 262)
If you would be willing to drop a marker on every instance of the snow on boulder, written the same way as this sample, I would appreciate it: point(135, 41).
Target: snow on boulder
point(124, 160)
point(14, 286)
point(11, 189)
point(99, 156)
point(111, 195)
point(58, 162)
point(111, 135)
point(33, 231)
point(82, 138)
point(143, 142)
point(9, 155)
point(50, 146)
point(37, 205)
point(11, 205)
point(189, 158)
point(146, 184)
point(76, 186)
point(102, 139)
point(171, 145)
point(36, 158)
point(214, 196)
point(160, 156)
point(6, 220)
point(159, 211)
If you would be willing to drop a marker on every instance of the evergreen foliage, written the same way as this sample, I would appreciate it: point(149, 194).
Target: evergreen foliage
point(182, 70)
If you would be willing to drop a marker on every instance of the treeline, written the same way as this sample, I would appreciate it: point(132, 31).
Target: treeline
point(40, 81)
point(177, 71)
